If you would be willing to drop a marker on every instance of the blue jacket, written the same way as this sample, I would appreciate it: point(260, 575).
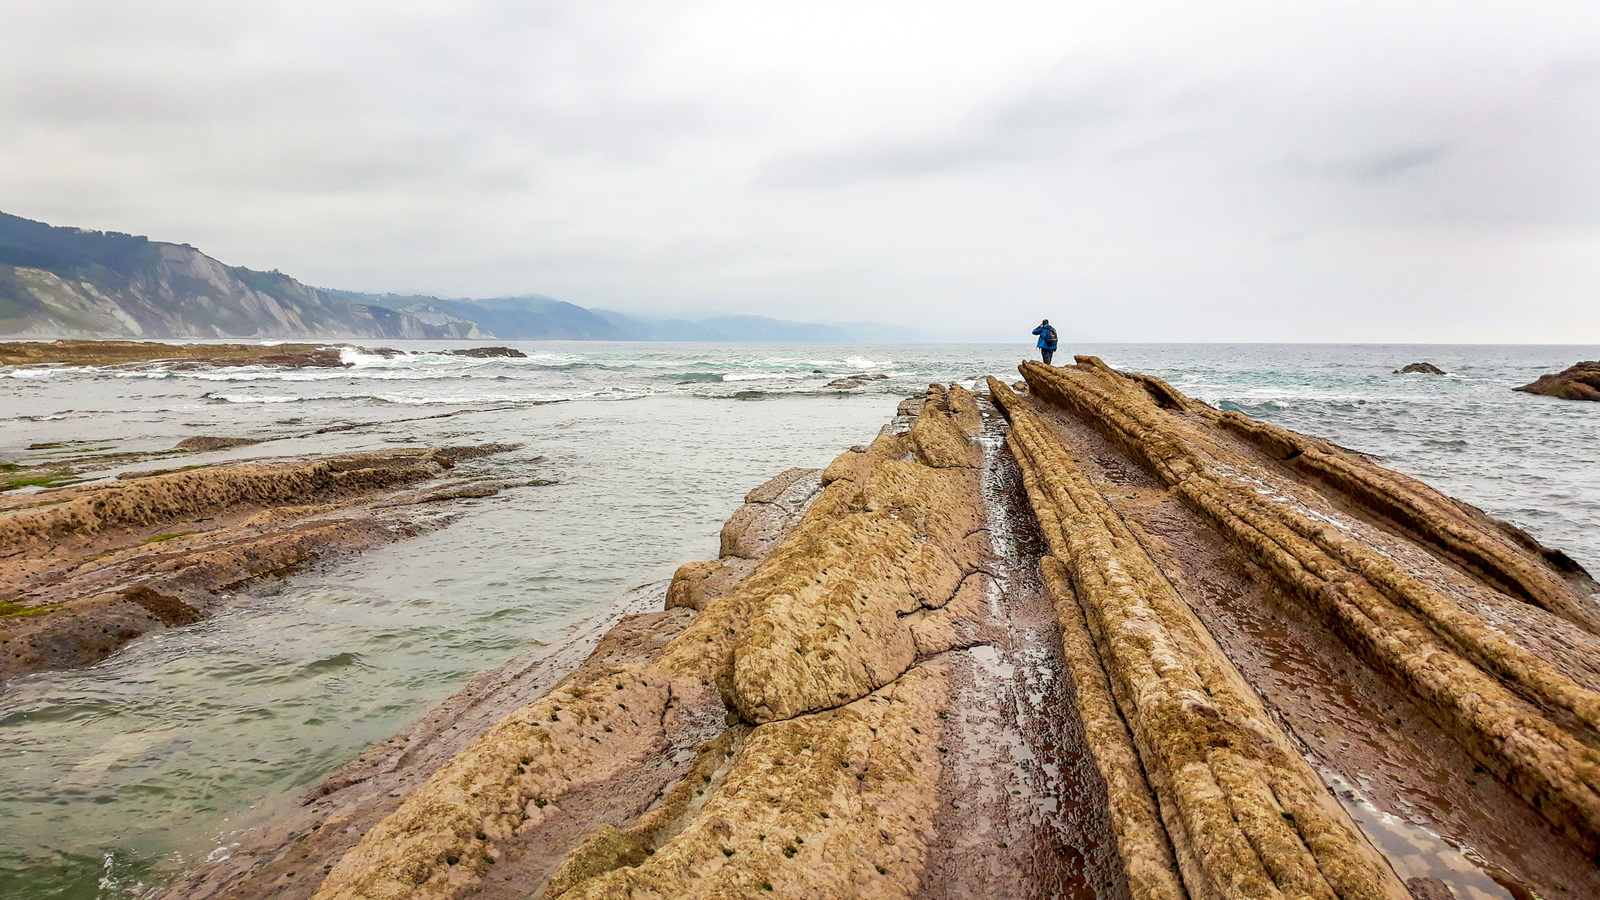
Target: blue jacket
point(1047, 337)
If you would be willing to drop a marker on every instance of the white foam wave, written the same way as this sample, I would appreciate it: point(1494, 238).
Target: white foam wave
point(255, 398)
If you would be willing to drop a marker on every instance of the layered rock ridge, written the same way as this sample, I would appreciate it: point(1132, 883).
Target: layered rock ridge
point(87, 569)
point(1458, 617)
point(1226, 807)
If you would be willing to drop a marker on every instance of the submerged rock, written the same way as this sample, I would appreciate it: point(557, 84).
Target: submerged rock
point(846, 382)
point(1419, 368)
point(1580, 382)
point(207, 443)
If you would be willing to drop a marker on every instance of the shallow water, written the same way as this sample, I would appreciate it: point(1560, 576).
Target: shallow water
point(119, 774)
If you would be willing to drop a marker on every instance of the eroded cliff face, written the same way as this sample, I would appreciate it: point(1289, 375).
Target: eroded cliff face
point(1085, 638)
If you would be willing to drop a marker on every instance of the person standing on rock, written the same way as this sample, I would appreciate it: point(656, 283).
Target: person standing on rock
point(1047, 340)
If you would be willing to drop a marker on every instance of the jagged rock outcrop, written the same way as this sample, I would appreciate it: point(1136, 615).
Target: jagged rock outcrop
point(1418, 368)
point(88, 569)
point(1581, 381)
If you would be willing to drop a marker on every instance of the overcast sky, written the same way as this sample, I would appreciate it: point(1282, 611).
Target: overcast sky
point(1340, 171)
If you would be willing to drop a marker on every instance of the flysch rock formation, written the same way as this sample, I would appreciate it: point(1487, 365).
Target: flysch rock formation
point(84, 570)
point(111, 353)
point(1085, 637)
point(1581, 381)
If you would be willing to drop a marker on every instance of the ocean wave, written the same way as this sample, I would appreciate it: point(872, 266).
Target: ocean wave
point(1267, 407)
point(421, 399)
point(254, 398)
point(49, 373)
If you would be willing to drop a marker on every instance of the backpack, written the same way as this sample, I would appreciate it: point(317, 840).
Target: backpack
point(1050, 335)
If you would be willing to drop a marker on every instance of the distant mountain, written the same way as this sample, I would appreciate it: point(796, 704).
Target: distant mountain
point(63, 282)
point(66, 282)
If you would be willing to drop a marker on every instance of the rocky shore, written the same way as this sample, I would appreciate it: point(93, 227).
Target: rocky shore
point(87, 569)
point(1082, 636)
point(118, 353)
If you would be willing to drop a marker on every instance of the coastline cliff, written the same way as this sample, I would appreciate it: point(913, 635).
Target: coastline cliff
point(73, 283)
point(1080, 636)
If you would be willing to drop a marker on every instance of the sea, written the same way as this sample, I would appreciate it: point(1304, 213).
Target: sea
point(118, 776)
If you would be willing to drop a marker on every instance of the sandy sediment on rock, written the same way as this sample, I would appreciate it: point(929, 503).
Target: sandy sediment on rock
point(87, 569)
point(812, 705)
point(1526, 718)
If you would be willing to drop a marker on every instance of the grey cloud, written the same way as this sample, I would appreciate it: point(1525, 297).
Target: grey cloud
point(1156, 169)
point(1371, 167)
point(1056, 116)
point(1388, 165)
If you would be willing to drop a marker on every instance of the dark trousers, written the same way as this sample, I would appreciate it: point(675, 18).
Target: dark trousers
point(1047, 352)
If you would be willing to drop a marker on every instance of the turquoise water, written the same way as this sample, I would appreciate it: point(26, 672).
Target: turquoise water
point(118, 775)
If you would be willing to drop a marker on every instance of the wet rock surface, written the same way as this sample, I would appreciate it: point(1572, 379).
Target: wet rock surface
point(1418, 368)
point(1579, 382)
point(86, 569)
point(208, 443)
point(847, 382)
point(1432, 666)
point(1089, 638)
